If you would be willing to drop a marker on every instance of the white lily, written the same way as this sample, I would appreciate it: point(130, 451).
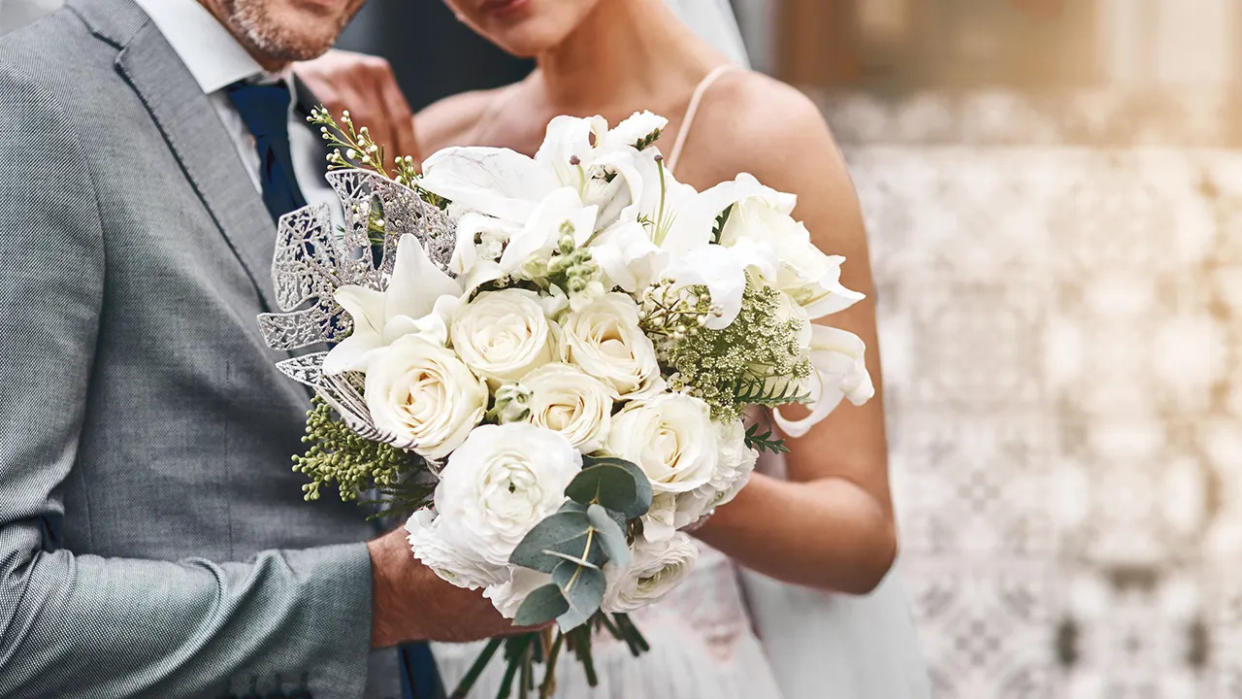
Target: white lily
point(761, 228)
point(539, 237)
point(419, 300)
point(839, 358)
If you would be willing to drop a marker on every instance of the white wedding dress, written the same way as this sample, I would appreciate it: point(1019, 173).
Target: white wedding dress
point(727, 633)
point(705, 642)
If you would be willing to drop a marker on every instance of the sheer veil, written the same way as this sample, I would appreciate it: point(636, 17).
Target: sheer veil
point(714, 21)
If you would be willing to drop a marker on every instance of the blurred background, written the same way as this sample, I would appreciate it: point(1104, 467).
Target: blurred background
point(1054, 195)
point(1053, 190)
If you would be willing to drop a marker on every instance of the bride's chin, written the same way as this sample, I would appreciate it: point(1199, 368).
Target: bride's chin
point(524, 41)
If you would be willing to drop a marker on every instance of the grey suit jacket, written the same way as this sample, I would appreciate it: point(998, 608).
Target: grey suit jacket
point(153, 539)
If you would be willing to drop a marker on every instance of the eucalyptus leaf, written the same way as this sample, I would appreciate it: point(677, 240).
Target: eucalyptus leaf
point(554, 530)
point(582, 589)
point(614, 483)
point(542, 605)
point(610, 536)
point(589, 549)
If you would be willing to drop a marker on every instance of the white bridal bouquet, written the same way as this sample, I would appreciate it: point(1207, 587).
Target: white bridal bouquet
point(548, 361)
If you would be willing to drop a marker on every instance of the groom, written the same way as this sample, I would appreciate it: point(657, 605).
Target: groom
point(153, 540)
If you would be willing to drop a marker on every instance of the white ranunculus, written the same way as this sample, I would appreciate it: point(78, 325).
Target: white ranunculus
point(733, 469)
point(656, 568)
point(567, 400)
point(424, 395)
point(504, 334)
point(508, 596)
point(446, 557)
point(501, 482)
point(671, 438)
point(839, 359)
point(419, 297)
point(660, 520)
point(604, 340)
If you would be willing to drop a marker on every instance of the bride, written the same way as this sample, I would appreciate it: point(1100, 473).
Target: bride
point(820, 519)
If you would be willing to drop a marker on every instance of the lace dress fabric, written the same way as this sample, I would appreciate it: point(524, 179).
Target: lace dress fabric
point(702, 647)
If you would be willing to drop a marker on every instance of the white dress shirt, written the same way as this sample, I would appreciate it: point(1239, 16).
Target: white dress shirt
point(217, 60)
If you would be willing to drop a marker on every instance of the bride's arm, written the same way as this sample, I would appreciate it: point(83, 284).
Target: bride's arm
point(830, 525)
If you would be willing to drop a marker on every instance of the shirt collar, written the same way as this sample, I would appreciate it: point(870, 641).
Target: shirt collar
point(209, 51)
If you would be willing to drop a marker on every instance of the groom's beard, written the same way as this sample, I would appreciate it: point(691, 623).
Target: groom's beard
point(288, 30)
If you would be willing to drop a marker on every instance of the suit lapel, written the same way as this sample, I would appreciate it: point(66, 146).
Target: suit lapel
point(192, 128)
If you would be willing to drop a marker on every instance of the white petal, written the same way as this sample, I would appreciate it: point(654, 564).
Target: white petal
point(365, 306)
point(542, 230)
point(839, 358)
point(627, 256)
point(352, 354)
point(635, 127)
point(494, 181)
point(416, 282)
point(471, 227)
point(832, 296)
point(568, 138)
point(721, 271)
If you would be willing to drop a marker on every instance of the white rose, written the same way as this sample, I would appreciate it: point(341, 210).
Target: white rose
point(508, 597)
point(671, 438)
point(424, 395)
point(501, 482)
point(567, 400)
point(655, 569)
point(604, 340)
point(670, 512)
point(501, 335)
point(445, 557)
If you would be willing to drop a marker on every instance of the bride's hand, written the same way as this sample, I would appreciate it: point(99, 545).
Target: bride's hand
point(364, 85)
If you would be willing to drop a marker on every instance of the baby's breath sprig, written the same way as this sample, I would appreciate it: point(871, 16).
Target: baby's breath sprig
point(355, 148)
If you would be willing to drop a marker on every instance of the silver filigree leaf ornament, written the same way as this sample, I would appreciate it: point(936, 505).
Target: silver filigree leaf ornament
point(313, 258)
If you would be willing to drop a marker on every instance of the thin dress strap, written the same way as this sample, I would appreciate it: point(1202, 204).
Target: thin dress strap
point(699, 90)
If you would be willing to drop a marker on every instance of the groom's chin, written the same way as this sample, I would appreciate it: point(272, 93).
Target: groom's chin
point(290, 30)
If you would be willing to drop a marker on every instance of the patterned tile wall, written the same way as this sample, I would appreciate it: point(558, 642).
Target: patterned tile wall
point(1061, 327)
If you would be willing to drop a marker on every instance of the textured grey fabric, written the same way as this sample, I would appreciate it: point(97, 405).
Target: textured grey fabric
point(153, 540)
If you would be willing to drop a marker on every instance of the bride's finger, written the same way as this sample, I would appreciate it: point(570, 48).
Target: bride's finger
point(398, 114)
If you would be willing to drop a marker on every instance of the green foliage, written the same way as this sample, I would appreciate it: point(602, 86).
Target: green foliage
point(614, 483)
point(765, 441)
point(646, 141)
point(721, 220)
point(574, 543)
point(337, 454)
point(757, 360)
point(543, 603)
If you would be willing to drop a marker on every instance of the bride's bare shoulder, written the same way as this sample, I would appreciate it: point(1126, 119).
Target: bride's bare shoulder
point(448, 122)
point(772, 128)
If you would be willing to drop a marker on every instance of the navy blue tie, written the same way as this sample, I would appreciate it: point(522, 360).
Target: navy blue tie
point(265, 109)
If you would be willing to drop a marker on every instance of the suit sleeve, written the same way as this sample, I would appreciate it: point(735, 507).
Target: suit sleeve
point(84, 625)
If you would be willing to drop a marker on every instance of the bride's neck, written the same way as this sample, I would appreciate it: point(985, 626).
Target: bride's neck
point(624, 52)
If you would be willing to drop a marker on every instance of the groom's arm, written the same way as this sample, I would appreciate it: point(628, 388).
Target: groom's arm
point(81, 624)
point(78, 625)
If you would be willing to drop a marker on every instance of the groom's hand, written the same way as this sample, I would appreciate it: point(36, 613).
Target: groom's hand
point(410, 603)
point(364, 85)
